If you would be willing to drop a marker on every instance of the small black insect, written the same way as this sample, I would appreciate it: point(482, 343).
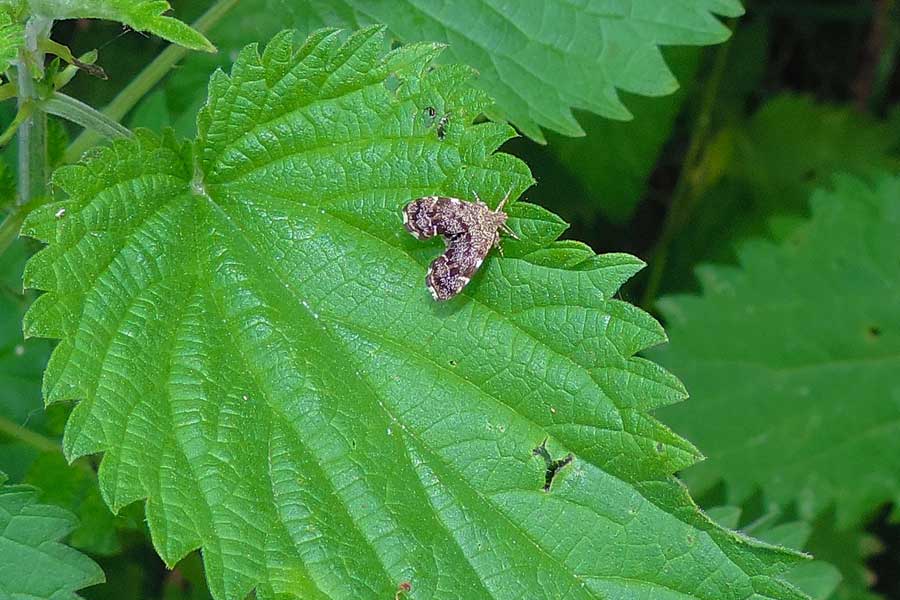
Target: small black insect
point(442, 126)
point(430, 113)
point(469, 229)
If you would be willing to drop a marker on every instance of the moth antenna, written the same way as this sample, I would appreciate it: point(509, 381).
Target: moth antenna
point(504, 201)
point(477, 198)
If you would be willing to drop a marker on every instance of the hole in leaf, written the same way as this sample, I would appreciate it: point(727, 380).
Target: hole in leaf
point(874, 332)
point(553, 465)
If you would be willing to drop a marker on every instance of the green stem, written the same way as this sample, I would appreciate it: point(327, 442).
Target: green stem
point(39, 442)
point(148, 78)
point(26, 436)
point(32, 134)
point(684, 197)
point(88, 117)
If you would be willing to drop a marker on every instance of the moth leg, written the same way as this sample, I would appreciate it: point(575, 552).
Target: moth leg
point(509, 232)
point(498, 245)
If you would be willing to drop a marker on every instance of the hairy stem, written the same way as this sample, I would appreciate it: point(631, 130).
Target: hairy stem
point(684, 197)
point(147, 79)
point(32, 133)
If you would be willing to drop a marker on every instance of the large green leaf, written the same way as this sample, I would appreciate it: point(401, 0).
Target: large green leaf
point(538, 59)
point(541, 58)
point(792, 360)
point(142, 15)
point(33, 562)
point(245, 322)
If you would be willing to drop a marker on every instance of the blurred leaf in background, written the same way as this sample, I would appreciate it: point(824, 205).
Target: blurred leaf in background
point(33, 562)
point(608, 170)
point(21, 367)
point(792, 360)
point(848, 549)
point(757, 175)
point(537, 60)
point(817, 578)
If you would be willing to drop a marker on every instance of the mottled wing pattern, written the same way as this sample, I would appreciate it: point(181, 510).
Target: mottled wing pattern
point(469, 230)
point(437, 215)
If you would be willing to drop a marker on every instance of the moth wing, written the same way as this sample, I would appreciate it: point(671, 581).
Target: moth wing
point(452, 271)
point(443, 279)
point(421, 217)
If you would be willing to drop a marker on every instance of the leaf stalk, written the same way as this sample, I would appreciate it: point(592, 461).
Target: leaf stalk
point(32, 133)
point(88, 117)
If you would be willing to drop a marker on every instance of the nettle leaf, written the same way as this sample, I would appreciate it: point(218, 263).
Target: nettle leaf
point(538, 60)
point(22, 363)
point(792, 360)
point(12, 36)
point(245, 323)
point(33, 562)
point(533, 57)
point(142, 15)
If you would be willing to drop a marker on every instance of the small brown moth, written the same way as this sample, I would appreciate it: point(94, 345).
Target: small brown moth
point(469, 229)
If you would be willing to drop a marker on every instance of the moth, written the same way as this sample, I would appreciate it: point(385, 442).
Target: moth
point(469, 229)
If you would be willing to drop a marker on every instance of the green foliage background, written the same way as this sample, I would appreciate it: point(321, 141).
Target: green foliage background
point(762, 194)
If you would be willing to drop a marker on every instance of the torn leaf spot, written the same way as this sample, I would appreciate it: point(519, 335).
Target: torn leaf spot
point(553, 466)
